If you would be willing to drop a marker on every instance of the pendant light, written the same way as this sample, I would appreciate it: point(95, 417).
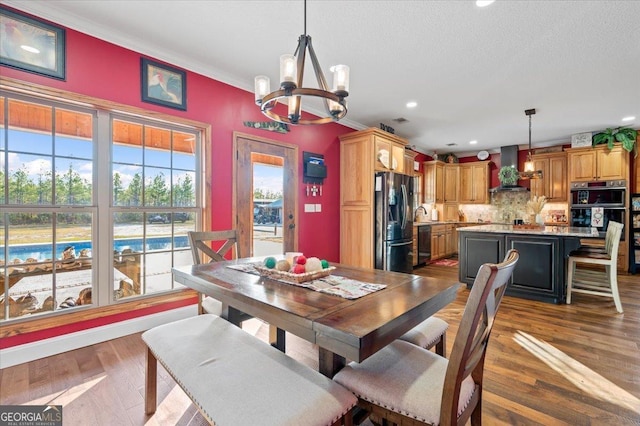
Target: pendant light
point(529, 168)
point(292, 91)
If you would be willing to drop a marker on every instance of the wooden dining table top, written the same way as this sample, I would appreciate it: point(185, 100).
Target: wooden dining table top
point(344, 328)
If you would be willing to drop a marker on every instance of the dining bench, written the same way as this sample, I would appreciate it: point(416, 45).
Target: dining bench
point(235, 378)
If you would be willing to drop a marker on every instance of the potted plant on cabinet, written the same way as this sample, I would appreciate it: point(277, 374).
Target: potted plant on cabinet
point(625, 135)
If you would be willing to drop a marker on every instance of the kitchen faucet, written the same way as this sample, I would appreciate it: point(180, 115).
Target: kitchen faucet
point(420, 208)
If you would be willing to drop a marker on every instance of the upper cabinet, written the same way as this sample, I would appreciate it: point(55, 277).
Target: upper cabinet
point(390, 152)
point(598, 163)
point(451, 182)
point(553, 184)
point(474, 182)
point(433, 181)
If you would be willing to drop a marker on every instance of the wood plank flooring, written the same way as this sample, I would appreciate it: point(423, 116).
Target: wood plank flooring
point(546, 364)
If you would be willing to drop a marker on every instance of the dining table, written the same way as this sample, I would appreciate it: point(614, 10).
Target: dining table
point(342, 328)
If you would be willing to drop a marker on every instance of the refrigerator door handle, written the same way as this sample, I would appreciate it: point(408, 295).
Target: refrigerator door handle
point(400, 244)
point(405, 206)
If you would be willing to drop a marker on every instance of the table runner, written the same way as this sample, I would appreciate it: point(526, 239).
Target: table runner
point(332, 284)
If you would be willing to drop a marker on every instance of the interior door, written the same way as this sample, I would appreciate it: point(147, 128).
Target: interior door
point(247, 149)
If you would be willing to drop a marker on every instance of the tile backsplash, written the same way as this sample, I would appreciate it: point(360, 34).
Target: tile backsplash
point(505, 207)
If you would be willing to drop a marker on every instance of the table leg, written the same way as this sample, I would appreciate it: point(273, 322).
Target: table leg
point(277, 338)
point(329, 363)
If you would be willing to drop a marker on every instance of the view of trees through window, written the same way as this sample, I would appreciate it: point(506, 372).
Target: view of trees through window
point(53, 189)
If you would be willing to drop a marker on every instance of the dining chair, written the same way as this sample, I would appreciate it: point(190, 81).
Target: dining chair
point(200, 242)
point(595, 271)
point(406, 384)
point(201, 248)
point(429, 333)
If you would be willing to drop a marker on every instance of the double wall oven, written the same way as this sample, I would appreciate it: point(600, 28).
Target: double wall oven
point(595, 204)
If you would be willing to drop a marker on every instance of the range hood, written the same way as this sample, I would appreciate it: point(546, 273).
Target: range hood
point(509, 157)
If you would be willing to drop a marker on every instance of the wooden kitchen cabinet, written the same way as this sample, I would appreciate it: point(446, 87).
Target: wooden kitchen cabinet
point(450, 212)
point(433, 181)
point(598, 164)
point(409, 157)
point(415, 246)
point(474, 182)
point(450, 240)
point(359, 160)
point(389, 152)
point(554, 182)
point(451, 183)
point(438, 242)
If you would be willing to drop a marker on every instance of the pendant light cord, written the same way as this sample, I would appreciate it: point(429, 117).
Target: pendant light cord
point(305, 17)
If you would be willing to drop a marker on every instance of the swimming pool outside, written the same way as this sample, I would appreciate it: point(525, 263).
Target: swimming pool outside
point(44, 251)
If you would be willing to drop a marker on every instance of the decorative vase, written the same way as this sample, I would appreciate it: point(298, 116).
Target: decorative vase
point(539, 219)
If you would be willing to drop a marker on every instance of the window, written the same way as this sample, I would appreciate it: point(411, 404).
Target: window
point(58, 195)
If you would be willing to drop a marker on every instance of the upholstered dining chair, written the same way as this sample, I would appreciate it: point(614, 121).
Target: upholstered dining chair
point(201, 243)
point(429, 333)
point(407, 384)
point(583, 275)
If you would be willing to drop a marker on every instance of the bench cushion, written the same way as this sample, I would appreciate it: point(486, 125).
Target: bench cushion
point(237, 379)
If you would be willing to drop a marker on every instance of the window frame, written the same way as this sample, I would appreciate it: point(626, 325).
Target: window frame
point(103, 307)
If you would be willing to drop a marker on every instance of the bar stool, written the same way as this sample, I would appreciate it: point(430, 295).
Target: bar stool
point(588, 280)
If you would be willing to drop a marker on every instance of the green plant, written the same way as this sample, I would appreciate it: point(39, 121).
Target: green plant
point(625, 135)
point(508, 175)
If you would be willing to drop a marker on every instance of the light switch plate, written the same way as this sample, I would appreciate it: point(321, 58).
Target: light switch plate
point(318, 208)
point(309, 208)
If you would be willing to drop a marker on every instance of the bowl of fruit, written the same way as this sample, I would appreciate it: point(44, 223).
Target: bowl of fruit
point(299, 269)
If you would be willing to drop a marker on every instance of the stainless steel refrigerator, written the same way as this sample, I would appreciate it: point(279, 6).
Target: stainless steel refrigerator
point(394, 222)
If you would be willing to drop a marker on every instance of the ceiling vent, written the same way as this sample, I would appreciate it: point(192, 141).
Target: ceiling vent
point(400, 120)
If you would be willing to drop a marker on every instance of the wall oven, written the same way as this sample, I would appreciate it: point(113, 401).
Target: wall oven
point(595, 204)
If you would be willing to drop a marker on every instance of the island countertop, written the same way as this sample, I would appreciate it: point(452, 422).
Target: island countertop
point(560, 231)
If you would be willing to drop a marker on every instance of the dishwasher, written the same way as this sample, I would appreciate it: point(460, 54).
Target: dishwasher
point(424, 244)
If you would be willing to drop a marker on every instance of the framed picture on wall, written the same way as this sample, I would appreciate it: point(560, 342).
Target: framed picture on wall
point(31, 45)
point(163, 85)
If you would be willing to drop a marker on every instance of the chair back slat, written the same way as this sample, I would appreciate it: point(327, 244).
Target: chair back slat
point(202, 242)
point(472, 338)
point(612, 238)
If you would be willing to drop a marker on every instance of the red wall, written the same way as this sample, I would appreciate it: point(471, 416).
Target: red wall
point(103, 70)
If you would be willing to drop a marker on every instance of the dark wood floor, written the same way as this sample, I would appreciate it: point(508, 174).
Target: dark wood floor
point(546, 364)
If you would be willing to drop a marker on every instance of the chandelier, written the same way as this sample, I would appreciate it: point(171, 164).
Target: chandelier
point(529, 168)
point(292, 91)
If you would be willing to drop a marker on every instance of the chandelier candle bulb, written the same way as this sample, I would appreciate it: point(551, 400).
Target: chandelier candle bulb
point(262, 87)
point(340, 78)
point(288, 71)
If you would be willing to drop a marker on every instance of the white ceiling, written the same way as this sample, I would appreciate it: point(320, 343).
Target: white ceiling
point(473, 71)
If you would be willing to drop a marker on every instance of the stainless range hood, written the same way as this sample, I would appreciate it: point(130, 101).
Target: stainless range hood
point(509, 157)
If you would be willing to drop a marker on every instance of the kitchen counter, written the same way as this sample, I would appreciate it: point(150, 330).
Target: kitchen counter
point(540, 273)
point(565, 231)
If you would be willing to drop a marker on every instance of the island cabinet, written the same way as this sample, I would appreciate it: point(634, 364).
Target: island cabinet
point(540, 273)
point(363, 153)
point(474, 182)
point(554, 182)
point(598, 164)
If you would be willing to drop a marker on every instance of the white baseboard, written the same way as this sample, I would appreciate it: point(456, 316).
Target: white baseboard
point(67, 342)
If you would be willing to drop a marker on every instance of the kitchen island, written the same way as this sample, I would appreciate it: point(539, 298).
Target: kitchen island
point(540, 273)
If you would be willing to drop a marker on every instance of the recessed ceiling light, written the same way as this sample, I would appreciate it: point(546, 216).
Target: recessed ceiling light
point(473, 142)
point(483, 3)
point(630, 118)
point(412, 104)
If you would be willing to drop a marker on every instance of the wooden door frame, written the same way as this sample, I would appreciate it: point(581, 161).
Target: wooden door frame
point(234, 169)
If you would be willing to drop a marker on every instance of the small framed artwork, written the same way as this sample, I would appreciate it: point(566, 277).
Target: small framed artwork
point(581, 140)
point(32, 45)
point(163, 85)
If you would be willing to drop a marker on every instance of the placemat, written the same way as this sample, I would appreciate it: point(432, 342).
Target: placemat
point(332, 284)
